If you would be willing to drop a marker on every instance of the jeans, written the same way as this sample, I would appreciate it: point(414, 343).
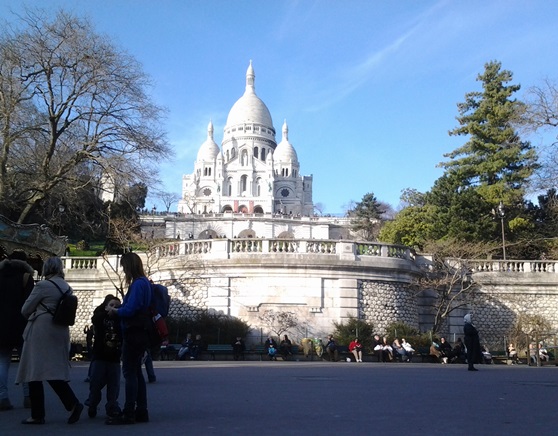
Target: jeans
point(5, 359)
point(103, 374)
point(148, 362)
point(136, 391)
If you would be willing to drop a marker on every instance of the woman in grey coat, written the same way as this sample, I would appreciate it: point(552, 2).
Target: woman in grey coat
point(46, 346)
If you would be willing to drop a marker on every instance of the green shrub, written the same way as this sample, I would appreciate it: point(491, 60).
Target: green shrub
point(344, 333)
point(213, 328)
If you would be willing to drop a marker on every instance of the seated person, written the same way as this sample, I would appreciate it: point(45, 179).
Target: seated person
point(445, 350)
point(286, 347)
point(378, 346)
point(398, 350)
point(487, 357)
point(387, 351)
point(238, 348)
point(543, 354)
point(435, 350)
point(512, 354)
point(355, 347)
point(408, 349)
point(331, 348)
point(196, 348)
point(459, 351)
point(185, 347)
point(271, 348)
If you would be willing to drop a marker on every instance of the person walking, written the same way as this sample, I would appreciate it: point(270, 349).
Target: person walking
point(135, 318)
point(472, 342)
point(46, 346)
point(16, 283)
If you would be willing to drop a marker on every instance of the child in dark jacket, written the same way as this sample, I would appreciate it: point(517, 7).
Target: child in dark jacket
point(105, 366)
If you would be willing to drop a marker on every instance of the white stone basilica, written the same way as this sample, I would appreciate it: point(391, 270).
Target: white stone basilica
point(251, 173)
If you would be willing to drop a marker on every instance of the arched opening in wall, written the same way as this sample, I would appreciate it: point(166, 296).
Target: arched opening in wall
point(255, 152)
point(243, 184)
point(227, 209)
point(208, 234)
point(229, 186)
point(242, 209)
point(258, 187)
point(258, 209)
point(263, 154)
point(244, 158)
point(228, 157)
point(286, 235)
point(247, 233)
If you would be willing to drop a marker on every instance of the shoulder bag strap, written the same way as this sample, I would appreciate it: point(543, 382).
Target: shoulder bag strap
point(61, 291)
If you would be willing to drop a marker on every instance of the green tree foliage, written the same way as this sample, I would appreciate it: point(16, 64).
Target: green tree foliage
point(494, 160)
point(345, 332)
point(366, 217)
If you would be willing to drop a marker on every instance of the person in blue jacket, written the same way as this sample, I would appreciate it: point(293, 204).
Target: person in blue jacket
point(135, 319)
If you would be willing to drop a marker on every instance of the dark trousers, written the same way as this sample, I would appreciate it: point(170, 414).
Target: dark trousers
point(37, 395)
point(136, 391)
point(104, 373)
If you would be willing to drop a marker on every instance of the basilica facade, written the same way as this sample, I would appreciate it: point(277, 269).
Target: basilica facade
point(250, 173)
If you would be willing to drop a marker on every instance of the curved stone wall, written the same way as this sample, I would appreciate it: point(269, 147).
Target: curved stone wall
point(383, 303)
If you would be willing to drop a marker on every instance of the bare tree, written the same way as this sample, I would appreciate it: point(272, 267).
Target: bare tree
point(448, 277)
point(169, 198)
point(73, 107)
point(319, 209)
point(540, 114)
point(278, 322)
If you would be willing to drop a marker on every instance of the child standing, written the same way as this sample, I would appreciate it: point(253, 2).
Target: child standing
point(105, 366)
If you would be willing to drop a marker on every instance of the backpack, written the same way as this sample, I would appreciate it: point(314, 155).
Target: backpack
point(159, 309)
point(65, 312)
point(161, 299)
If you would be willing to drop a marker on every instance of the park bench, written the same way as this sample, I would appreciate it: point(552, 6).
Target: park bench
point(219, 349)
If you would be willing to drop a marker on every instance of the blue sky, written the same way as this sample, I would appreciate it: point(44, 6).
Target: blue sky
point(369, 88)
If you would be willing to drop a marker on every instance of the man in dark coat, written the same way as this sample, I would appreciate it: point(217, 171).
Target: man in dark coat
point(16, 283)
point(471, 342)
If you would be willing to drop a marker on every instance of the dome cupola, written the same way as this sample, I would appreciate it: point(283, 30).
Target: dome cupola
point(285, 152)
point(209, 150)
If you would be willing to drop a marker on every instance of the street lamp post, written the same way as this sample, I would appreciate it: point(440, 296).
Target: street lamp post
point(61, 209)
point(153, 211)
point(502, 213)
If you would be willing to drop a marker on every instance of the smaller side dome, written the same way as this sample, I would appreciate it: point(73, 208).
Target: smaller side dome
point(209, 150)
point(285, 152)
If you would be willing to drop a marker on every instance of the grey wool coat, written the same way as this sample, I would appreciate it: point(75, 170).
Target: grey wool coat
point(46, 346)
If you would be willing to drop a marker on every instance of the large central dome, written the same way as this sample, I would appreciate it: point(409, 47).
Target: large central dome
point(249, 108)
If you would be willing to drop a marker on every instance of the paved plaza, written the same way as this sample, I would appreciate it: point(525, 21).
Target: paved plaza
point(321, 398)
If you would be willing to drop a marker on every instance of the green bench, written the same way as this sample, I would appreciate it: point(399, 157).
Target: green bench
point(221, 349)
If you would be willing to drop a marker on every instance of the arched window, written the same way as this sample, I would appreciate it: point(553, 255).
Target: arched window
point(244, 158)
point(243, 184)
point(229, 186)
point(263, 153)
point(256, 152)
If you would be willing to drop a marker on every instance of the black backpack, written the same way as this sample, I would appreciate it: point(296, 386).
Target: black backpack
point(65, 312)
